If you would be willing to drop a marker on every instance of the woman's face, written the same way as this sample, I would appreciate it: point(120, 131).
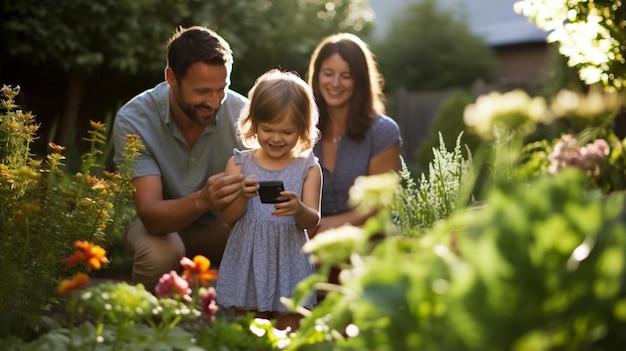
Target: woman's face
point(335, 82)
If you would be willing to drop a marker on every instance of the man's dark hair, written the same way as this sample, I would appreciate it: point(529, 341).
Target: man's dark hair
point(197, 44)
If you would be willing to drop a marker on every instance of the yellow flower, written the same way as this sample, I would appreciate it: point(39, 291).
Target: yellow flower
point(9, 91)
point(67, 285)
point(27, 172)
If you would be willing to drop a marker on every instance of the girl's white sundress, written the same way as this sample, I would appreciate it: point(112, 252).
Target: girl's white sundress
point(263, 260)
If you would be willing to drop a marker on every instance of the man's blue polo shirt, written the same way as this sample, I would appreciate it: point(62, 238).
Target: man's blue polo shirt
point(183, 170)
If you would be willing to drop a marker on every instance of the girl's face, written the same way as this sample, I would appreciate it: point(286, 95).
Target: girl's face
point(278, 138)
point(335, 82)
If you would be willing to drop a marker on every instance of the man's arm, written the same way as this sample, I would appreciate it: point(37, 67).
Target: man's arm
point(165, 216)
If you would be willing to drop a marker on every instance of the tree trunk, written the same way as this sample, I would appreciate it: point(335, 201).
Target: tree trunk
point(74, 93)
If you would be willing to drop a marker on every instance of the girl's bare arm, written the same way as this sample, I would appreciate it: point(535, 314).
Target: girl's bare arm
point(306, 211)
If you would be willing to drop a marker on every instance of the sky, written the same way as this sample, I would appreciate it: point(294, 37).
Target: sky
point(494, 20)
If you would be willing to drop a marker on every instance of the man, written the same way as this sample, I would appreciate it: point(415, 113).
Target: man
point(187, 125)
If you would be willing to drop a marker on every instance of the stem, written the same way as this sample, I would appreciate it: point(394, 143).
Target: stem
point(99, 328)
point(118, 336)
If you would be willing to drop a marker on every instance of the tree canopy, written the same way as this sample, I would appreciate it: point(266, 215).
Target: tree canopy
point(112, 43)
point(426, 48)
point(281, 33)
point(82, 35)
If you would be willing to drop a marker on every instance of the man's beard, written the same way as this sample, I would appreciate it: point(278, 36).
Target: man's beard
point(190, 111)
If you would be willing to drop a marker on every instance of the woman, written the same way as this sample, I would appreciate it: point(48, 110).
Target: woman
point(357, 137)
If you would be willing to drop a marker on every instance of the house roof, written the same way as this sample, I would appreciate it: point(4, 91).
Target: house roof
point(494, 20)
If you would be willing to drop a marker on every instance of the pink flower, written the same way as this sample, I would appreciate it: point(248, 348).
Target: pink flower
point(589, 157)
point(207, 302)
point(172, 285)
point(597, 150)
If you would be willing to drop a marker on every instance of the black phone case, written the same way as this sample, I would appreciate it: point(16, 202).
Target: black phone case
point(269, 191)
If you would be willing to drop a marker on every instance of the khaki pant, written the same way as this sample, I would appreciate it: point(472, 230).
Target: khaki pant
point(154, 255)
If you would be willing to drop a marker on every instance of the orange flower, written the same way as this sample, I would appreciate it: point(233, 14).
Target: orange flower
point(56, 148)
point(111, 175)
point(99, 126)
point(93, 255)
point(197, 271)
point(67, 285)
point(132, 136)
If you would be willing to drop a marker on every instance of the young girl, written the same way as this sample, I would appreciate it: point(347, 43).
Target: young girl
point(263, 260)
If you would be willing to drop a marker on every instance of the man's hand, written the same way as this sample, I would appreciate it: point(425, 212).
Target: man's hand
point(250, 187)
point(220, 190)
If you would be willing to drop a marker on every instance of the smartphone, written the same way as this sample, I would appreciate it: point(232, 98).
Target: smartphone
point(269, 191)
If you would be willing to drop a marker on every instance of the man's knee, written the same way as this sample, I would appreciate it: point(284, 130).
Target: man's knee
point(159, 259)
point(149, 266)
point(152, 255)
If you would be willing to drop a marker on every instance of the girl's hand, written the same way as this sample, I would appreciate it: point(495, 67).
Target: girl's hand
point(288, 208)
point(250, 186)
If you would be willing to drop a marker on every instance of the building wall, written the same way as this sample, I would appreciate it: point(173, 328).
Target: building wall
point(522, 65)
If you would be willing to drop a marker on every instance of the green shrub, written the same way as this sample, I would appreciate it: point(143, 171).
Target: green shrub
point(541, 266)
point(44, 210)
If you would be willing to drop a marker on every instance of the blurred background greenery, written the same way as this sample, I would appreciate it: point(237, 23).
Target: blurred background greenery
point(80, 60)
point(538, 265)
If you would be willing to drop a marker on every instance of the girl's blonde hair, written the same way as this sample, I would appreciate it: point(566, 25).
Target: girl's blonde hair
point(274, 96)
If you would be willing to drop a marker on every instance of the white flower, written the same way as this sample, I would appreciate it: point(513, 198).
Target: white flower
point(374, 192)
point(495, 114)
point(596, 103)
point(335, 245)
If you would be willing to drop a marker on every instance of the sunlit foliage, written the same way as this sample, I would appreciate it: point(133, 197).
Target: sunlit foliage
point(591, 34)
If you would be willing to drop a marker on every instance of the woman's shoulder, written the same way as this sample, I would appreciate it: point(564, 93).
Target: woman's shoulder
point(384, 127)
point(384, 132)
point(384, 122)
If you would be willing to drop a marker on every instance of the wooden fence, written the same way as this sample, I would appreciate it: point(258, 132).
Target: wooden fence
point(414, 113)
